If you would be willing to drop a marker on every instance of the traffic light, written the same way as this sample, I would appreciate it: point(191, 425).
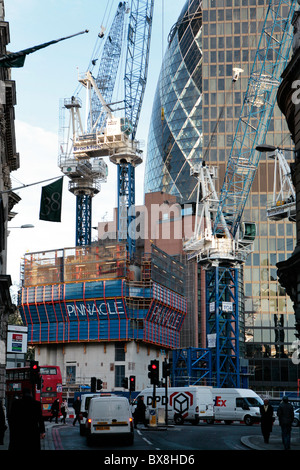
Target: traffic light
point(166, 369)
point(154, 372)
point(125, 382)
point(93, 384)
point(99, 384)
point(132, 383)
point(34, 373)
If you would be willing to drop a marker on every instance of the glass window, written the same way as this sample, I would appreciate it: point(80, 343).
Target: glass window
point(119, 375)
point(119, 352)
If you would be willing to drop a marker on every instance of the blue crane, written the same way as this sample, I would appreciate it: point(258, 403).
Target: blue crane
point(108, 65)
point(222, 281)
point(226, 242)
point(103, 135)
point(135, 78)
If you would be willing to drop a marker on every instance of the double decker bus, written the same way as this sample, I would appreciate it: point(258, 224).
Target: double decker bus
point(18, 379)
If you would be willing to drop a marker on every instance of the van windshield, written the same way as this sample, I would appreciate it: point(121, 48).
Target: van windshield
point(106, 410)
point(253, 401)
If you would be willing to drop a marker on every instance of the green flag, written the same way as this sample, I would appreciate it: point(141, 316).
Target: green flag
point(17, 59)
point(51, 200)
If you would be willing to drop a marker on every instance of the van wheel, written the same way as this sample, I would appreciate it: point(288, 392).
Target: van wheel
point(248, 420)
point(178, 419)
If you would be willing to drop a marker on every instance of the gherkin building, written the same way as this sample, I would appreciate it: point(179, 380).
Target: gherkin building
point(175, 135)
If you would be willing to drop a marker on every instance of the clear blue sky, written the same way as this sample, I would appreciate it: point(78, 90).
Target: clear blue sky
point(48, 76)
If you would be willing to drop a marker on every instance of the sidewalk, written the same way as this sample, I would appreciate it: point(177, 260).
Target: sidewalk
point(275, 443)
point(51, 441)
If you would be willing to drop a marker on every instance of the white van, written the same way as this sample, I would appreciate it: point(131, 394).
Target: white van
point(184, 403)
point(236, 404)
point(109, 416)
point(84, 406)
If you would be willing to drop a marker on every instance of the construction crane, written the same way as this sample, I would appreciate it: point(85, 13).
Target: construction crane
point(221, 242)
point(86, 184)
point(104, 134)
point(283, 204)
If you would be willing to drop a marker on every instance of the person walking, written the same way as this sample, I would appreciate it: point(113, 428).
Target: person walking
point(139, 414)
point(26, 423)
point(285, 415)
point(76, 406)
point(64, 411)
point(266, 420)
point(55, 410)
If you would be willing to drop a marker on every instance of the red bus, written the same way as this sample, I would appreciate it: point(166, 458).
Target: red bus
point(19, 378)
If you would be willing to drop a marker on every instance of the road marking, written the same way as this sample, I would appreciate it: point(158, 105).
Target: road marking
point(146, 440)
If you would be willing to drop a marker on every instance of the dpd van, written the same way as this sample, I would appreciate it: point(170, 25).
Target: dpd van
point(184, 403)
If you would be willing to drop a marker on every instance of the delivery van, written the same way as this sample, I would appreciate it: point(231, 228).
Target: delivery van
point(185, 404)
point(236, 404)
point(109, 417)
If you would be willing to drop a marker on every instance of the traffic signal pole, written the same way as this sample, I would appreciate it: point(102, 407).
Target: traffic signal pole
point(166, 390)
point(154, 379)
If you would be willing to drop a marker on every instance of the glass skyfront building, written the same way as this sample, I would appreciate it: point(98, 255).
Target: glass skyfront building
point(195, 114)
point(175, 136)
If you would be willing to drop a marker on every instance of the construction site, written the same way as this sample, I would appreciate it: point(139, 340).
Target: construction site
point(106, 308)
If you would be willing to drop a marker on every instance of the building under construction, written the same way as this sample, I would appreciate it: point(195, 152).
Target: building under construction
point(95, 313)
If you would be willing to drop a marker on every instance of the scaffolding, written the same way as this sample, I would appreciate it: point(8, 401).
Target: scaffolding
point(99, 293)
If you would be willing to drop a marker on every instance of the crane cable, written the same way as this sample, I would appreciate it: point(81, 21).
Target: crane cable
point(98, 42)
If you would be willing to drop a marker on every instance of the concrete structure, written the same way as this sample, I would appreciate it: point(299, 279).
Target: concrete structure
point(9, 161)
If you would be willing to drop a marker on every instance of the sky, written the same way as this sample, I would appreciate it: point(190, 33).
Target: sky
point(48, 76)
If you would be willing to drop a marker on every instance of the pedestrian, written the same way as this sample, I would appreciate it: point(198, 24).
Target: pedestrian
point(266, 420)
point(285, 415)
point(139, 414)
point(3, 426)
point(26, 423)
point(64, 411)
point(76, 406)
point(55, 410)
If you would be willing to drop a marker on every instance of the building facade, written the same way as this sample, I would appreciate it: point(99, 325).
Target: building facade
point(94, 313)
point(9, 161)
point(195, 114)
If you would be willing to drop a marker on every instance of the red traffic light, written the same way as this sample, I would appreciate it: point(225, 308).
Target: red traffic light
point(153, 366)
point(34, 366)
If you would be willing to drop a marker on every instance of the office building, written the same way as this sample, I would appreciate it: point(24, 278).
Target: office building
point(195, 113)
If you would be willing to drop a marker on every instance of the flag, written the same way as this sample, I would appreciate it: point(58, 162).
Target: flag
point(17, 59)
point(51, 199)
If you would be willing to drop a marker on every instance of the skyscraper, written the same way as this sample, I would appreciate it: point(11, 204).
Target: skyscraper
point(195, 114)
